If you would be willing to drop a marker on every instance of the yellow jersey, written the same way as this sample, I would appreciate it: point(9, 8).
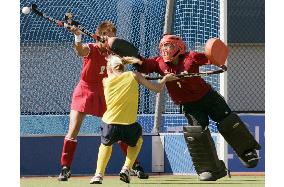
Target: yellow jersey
point(121, 95)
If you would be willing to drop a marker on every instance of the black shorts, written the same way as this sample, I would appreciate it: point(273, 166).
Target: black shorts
point(212, 105)
point(129, 134)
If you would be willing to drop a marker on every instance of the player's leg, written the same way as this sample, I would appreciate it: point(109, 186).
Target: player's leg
point(137, 169)
point(201, 145)
point(102, 161)
point(233, 130)
point(109, 135)
point(132, 153)
point(70, 142)
point(132, 136)
point(203, 153)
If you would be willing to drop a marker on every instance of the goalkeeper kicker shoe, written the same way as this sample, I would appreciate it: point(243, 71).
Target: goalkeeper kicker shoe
point(64, 174)
point(139, 171)
point(97, 179)
point(215, 175)
point(249, 159)
point(125, 175)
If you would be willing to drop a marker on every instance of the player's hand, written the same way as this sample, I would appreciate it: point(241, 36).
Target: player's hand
point(224, 67)
point(170, 77)
point(131, 60)
point(75, 30)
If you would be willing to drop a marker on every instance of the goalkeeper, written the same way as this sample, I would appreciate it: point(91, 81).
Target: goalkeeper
point(200, 102)
point(120, 119)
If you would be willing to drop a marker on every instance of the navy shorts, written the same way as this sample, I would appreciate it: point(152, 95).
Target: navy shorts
point(112, 133)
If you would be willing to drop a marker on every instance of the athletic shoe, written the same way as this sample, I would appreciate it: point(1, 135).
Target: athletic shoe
point(249, 159)
point(124, 175)
point(132, 172)
point(97, 179)
point(64, 174)
point(215, 175)
point(139, 172)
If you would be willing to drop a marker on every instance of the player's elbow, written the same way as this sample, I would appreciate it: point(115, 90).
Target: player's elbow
point(81, 50)
point(81, 53)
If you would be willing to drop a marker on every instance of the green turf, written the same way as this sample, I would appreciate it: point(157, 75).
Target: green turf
point(153, 181)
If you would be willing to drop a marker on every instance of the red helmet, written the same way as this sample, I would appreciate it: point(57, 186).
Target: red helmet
point(171, 46)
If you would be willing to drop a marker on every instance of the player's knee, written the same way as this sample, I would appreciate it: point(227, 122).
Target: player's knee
point(139, 141)
point(194, 121)
point(106, 143)
point(221, 115)
point(105, 148)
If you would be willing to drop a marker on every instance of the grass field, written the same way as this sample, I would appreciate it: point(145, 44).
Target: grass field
point(153, 181)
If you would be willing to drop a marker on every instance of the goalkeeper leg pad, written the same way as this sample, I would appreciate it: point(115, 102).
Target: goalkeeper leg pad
point(240, 139)
point(203, 152)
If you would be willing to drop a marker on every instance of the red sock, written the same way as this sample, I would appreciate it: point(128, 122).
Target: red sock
point(68, 150)
point(123, 147)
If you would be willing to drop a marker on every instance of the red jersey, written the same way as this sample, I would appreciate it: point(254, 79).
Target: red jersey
point(94, 66)
point(183, 90)
point(88, 96)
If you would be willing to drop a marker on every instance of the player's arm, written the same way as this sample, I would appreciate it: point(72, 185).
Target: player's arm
point(199, 58)
point(81, 49)
point(149, 65)
point(156, 87)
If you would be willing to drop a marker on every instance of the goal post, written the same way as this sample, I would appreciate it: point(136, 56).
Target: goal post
point(160, 96)
point(222, 145)
point(158, 141)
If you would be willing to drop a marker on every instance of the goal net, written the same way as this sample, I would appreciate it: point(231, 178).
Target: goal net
point(50, 68)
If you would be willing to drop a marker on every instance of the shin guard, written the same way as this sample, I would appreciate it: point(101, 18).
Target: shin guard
point(240, 139)
point(202, 149)
point(237, 134)
point(68, 151)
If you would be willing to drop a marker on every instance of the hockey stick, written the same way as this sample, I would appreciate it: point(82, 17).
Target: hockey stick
point(63, 24)
point(116, 45)
point(222, 69)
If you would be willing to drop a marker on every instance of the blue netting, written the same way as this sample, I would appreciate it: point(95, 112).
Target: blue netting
point(195, 21)
point(50, 68)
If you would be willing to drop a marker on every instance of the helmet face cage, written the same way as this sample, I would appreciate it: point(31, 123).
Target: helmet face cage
point(171, 46)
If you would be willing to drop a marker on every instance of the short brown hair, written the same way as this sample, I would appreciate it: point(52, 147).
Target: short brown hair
point(105, 25)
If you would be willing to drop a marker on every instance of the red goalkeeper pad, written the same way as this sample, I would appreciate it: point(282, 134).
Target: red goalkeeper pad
point(216, 51)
